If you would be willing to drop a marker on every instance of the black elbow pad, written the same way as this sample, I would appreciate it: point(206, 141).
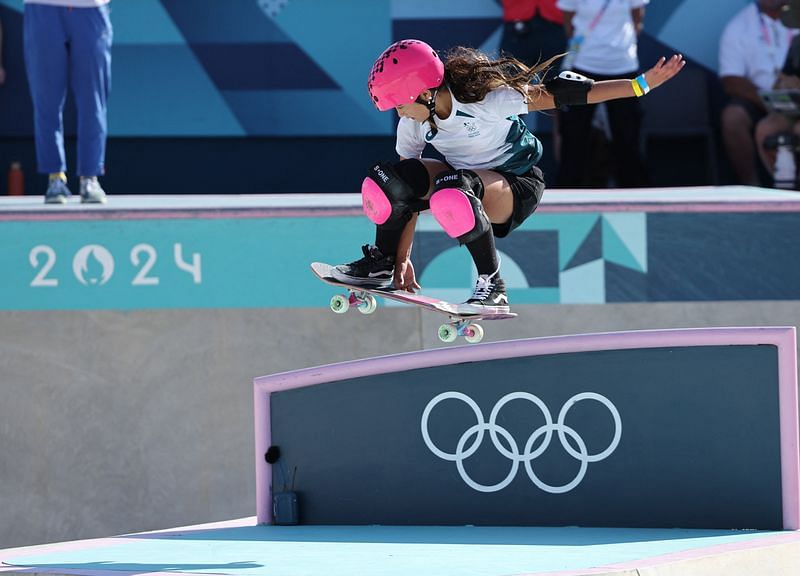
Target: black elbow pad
point(569, 88)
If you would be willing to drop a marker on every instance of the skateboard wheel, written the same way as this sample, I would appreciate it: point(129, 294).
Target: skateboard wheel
point(340, 304)
point(447, 333)
point(474, 333)
point(368, 304)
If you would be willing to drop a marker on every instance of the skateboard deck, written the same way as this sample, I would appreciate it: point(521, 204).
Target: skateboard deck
point(462, 317)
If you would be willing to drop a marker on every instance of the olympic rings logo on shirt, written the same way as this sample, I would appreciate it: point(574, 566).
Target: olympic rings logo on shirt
point(511, 449)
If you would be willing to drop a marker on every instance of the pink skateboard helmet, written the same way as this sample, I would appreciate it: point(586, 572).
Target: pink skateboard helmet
point(404, 70)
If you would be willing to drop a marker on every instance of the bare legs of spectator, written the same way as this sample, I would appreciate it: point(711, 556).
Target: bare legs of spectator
point(737, 135)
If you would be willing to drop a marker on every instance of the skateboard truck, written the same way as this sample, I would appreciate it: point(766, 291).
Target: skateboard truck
point(472, 333)
point(364, 301)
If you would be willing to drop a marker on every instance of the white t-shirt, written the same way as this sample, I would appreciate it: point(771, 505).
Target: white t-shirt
point(71, 3)
point(485, 135)
point(610, 47)
point(754, 46)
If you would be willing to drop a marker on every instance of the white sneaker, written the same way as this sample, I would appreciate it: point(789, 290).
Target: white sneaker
point(92, 192)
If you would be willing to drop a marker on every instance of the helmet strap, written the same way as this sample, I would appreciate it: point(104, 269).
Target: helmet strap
point(431, 106)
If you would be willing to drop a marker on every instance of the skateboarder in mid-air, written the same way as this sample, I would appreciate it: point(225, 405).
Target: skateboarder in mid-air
point(468, 108)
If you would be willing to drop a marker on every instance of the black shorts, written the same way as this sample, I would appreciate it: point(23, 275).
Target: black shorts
point(527, 189)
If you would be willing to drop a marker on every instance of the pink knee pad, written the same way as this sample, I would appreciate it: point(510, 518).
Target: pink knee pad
point(376, 205)
point(453, 211)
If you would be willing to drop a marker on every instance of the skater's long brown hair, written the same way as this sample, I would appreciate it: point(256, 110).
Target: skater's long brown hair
point(471, 75)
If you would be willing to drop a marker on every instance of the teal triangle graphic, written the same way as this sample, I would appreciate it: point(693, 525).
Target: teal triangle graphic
point(590, 249)
point(460, 113)
point(572, 232)
point(625, 240)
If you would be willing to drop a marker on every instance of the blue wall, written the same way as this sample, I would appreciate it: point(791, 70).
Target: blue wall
point(292, 67)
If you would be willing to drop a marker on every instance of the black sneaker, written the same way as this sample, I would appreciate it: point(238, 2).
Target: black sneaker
point(490, 294)
point(374, 269)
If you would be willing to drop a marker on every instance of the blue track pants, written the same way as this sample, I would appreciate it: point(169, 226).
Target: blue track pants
point(69, 46)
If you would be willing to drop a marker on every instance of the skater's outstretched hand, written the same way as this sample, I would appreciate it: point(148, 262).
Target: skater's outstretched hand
point(664, 70)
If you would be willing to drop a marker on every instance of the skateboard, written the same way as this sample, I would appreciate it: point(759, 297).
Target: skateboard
point(462, 317)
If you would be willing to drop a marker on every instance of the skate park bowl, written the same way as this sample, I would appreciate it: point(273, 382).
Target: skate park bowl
point(642, 452)
point(132, 333)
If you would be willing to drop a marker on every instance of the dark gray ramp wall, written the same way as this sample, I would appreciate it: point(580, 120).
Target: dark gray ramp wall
point(693, 429)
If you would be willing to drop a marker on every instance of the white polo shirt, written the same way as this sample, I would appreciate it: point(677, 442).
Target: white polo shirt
point(754, 46)
point(610, 47)
point(485, 135)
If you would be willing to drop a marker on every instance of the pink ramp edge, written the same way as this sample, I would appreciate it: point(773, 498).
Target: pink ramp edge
point(376, 205)
point(453, 211)
point(782, 337)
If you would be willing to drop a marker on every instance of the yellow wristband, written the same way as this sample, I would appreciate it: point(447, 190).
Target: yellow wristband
point(637, 89)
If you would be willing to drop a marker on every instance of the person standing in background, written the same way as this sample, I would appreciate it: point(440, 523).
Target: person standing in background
point(533, 31)
point(68, 42)
point(752, 51)
point(603, 45)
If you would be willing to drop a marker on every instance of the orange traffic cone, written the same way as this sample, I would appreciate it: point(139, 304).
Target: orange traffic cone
point(16, 180)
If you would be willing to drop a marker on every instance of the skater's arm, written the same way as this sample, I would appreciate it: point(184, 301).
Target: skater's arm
point(404, 277)
point(541, 99)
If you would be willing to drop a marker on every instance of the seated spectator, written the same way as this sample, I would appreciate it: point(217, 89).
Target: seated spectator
point(776, 127)
point(752, 51)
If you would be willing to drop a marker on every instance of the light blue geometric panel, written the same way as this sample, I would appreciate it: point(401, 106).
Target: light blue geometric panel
point(143, 22)
point(344, 38)
point(625, 240)
point(696, 26)
point(585, 284)
point(17, 5)
point(278, 111)
point(154, 101)
point(413, 9)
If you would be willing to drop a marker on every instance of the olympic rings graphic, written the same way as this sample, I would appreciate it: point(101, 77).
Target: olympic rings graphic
point(512, 452)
